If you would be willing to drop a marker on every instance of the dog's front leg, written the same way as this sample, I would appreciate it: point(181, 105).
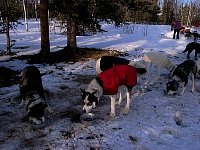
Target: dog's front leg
point(193, 83)
point(148, 66)
point(128, 95)
point(183, 88)
point(49, 109)
point(112, 114)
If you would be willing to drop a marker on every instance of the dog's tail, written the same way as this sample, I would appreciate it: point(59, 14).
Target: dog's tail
point(141, 71)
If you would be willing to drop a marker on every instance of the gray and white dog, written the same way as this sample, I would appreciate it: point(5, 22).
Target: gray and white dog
point(32, 94)
point(180, 74)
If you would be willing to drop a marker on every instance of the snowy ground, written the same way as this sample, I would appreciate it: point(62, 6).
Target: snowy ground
point(151, 123)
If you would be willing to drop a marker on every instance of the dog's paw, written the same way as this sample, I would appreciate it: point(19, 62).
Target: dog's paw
point(112, 115)
point(49, 109)
point(119, 103)
point(126, 110)
point(159, 78)
point(180, 94)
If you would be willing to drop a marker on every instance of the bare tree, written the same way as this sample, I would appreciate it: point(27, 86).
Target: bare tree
point(8, 47)
point(36, 14)
point(44, 24)
point(25, 15)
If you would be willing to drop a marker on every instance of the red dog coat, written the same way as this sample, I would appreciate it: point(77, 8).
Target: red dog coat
point(116, 76)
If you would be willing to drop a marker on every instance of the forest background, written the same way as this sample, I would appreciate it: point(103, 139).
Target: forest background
point(83, 17)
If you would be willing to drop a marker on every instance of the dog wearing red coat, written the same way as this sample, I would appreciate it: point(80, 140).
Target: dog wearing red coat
point(108, 83)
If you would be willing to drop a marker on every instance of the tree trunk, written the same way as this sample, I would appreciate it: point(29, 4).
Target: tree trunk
point(25, 15)
point(71, 34)
point(68, 32)
point(8, 47)
point(36, 16)
point(8, 36)
point(45, 44)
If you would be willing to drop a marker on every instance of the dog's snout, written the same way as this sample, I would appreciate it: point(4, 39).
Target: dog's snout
point(83, 111)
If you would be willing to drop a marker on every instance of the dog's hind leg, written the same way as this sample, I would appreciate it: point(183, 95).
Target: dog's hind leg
point(121, 93)
point(128, 96)
point(112, 97)
point(195, 54)
point(188, 55)
point(193, 83)
point(158, 73)
point(149, 69)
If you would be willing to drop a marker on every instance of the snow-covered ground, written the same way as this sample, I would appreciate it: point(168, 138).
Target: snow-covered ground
point(152, 120)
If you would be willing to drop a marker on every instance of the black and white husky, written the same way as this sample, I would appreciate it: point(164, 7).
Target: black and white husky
point(32, 94)
point(107, 62)
point(181, 74)
point(108, 83)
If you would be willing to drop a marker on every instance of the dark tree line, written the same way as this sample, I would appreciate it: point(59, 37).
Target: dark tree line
point(186, 11)
point(81, 16)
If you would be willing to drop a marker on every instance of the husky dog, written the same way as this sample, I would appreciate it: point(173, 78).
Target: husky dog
point(158, 59)
point(108, 83)
point(172, 87)
point(196, 36)
point(190, 47)
point(32, 93)
point(181, 74)
point(107, 62)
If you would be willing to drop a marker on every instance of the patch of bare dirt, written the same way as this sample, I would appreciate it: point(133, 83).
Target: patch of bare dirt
point(63, 125)
point(68, 55)
point(10, 77)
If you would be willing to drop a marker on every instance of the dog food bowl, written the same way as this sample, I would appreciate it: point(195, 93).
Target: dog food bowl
point(39, 126)
point(87, 117)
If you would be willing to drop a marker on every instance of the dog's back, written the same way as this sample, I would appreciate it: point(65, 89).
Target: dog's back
point(190, 47)
point(185, 68)
point(117, 76)
point(106, 62)
point(158, 59)
point(196, 36)
point(31, 81)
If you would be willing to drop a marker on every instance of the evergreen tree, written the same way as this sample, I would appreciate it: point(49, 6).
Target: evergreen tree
point(10, 15)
